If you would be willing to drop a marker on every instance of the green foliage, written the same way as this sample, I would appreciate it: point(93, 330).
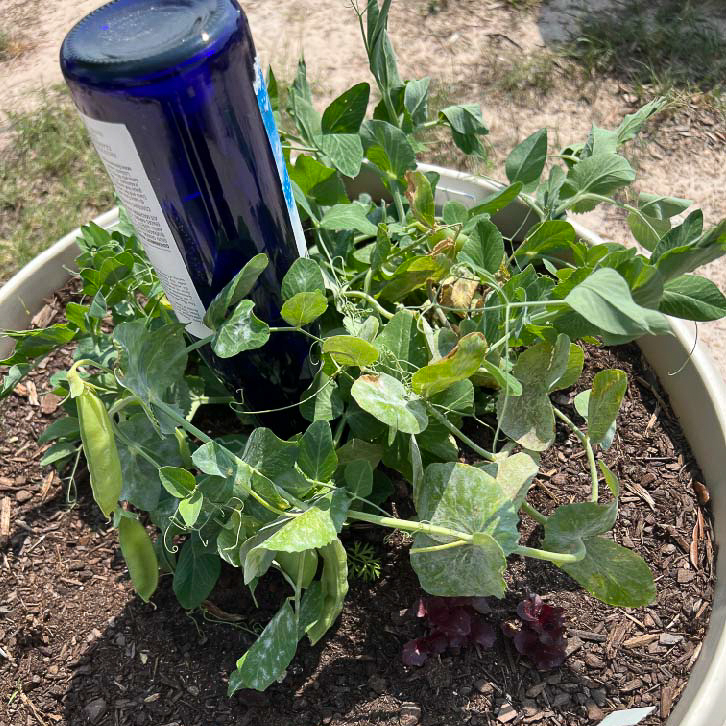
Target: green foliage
point(426, 319)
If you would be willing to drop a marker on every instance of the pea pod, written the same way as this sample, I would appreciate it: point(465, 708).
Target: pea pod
point(138, 551)
point(99, 447)
point(335, 587)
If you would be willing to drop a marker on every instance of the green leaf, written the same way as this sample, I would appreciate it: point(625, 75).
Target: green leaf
point(709, 246)
point(150, 361)
point(358, 450)
point(179, 482)
point(420, 197)
point(270, 655)
point(402, 340)
point(647, 230)
point(514, 474)
point(484, 248)
point(346, 113)
point(469, 500)
point(555, 237)
point(319, 182)
point(684, 235)
point(526, 162)
point(472, 570)
point(62, 428)
point(528, 419)
point(345, 152)
point(268, 454)
point(322, 400)
point(466, 124)
point(304, 275)
point(633, 122)
point(604, 300)
point(597, 174)
point(358, 477)
point(496, 201)
point(463, 361)
point(455, 213)
point(216, 460)
point(238, 288)
point(613, 574)
point(575, 363)
point(196, 573)
point(313, 528)
point(413, 273)
point(348, 350)
point(692, 297)
point(608, 390)
point(348, 217)
point(334, 581)
point(190, 508)
point(415, 100)
point(303, 308)
point(660, 207)
point(141, 485)
point(58, 452)
point(317, 456)
point(12, 378)
point(385, 398)
point(243, 330)
point(495, 377)
point(457, 398)
point(388, 148)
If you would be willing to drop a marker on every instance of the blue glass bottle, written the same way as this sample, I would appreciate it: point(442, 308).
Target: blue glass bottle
point(176, 104)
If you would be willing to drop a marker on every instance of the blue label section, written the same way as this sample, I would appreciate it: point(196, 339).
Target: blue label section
point(268, 119)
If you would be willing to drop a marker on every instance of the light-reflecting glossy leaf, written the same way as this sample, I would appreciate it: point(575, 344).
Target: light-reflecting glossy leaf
point(463, 361)
point(349, 350)
point(243, 330)
point(238, 288)
point(608, 389)
point(303, 308)
point(528, 419)
point(385, 398)
point(604, 299)
point(317, 456)
point(270, 655)
point(484, 247)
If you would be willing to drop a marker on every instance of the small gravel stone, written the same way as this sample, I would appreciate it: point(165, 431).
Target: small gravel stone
point(410, 714)
point(669, 639)
point(95, 710)
point(594, 712)
point(506, 713)
point(23, 496)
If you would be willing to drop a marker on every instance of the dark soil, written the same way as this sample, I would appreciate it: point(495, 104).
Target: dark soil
point(77, 647)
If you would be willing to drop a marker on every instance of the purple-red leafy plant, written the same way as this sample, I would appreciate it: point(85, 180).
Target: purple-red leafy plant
point(541, 633)
point(453, 622)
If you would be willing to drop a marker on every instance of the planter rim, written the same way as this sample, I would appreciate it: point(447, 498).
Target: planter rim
point(684, 367)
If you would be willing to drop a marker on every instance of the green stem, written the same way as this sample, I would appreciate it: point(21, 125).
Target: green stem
point(528, 509)
point(460, 434)
point(182, 422)
point(585, 441)
point(437, 548)
point(370, 300)
point(399, 205)
point(293, 329)
point(408, 525)
point(558, 558)
point(199, 343)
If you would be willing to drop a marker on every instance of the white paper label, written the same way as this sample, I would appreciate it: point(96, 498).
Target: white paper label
point(116, 148)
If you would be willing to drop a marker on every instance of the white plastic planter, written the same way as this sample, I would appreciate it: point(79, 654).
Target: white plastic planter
point(697, 394)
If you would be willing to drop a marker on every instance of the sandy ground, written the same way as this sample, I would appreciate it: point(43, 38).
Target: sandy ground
point(464, 47)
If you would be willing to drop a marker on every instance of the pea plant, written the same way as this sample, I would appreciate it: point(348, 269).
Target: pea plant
point(433, 335)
